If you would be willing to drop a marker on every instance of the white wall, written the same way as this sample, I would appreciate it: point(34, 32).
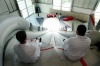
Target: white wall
point(81, 6)
point(7, 6)
point(11, 4)
point(45, 8)
point(4, 16)
point(3, 7)
point(82, 10)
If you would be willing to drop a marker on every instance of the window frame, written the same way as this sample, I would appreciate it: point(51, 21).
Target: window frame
point(26, 7)
point(97, 11)
point(70, 8)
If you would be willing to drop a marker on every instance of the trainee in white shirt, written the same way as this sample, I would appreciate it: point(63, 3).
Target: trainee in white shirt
point(76, 47)
point(28, 52)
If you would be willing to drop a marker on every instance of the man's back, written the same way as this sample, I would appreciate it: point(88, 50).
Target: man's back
point(27, 53)
point(76, 47)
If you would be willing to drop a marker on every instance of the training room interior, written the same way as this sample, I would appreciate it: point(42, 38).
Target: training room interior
point(53, 21)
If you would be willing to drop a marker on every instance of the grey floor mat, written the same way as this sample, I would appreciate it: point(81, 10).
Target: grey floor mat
point(46, 38)
point(68, 34)
point(59, 39)
point(51, 58)
point(33, 20)
point(98, 25)
point(97, 64)
point(31, 34)
point(65, 61)
point(40, 20)
point(47, 58)
point(91, 58)
point(62, 23)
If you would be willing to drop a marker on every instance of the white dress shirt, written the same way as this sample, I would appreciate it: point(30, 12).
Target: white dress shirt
point(76, 47)
point(28, 52)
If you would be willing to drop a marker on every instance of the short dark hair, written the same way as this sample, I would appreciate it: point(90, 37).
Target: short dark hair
point(21, 36)
point(81, 29)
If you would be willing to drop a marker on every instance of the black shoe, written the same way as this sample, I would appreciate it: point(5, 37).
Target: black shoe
point(40, 39)
point(63, 39)
point(36, 38)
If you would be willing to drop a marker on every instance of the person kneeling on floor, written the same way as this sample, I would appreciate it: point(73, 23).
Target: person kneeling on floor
point(76, 47)
point(28, 51)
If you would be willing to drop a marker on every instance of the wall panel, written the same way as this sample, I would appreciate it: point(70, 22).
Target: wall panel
point(81, 3)
point(13, 4)
point(9, 5)
point(92, 4)
point(84, 6)
point(45, 8)
point(86, 3)
point(82, 10)
point(75, 2)
point(3, 7)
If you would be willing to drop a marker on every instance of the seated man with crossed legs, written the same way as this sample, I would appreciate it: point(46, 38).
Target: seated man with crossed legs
point(28, 51)
point(76, 47)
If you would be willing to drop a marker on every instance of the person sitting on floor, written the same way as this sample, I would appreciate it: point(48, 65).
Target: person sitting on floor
point(28, 51)
point(76, 47)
